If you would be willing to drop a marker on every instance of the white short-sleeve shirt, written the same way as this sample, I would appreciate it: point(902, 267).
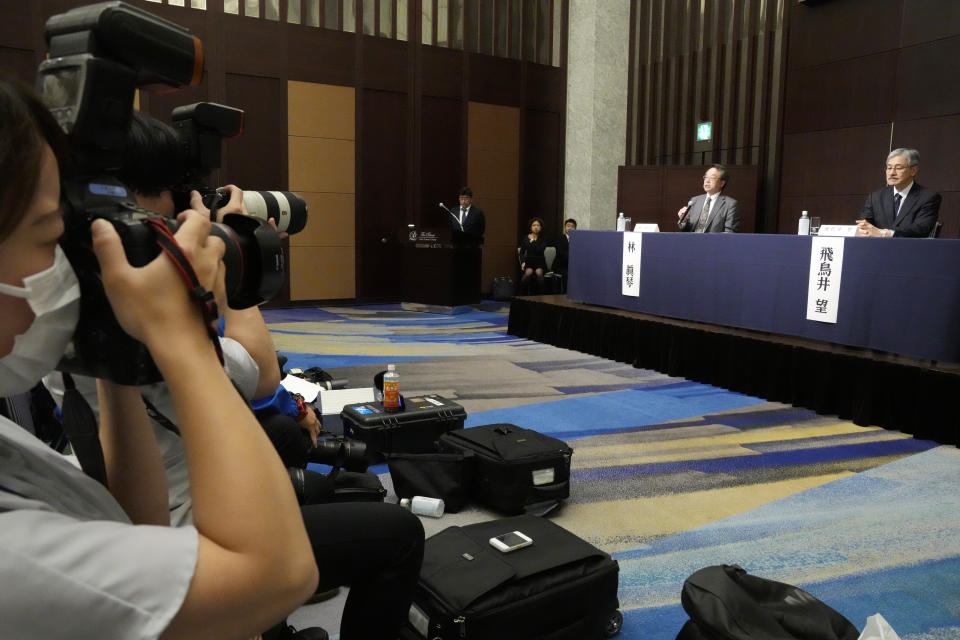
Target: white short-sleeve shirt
point(71, 564)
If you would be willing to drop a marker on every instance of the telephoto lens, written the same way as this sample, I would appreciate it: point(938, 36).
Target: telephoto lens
point(286, 207)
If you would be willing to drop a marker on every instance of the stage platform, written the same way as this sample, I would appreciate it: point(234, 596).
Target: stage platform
point(865, 386)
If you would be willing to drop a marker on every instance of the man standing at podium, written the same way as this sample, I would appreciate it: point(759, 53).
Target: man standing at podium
point(712, 212)
point(470, 223)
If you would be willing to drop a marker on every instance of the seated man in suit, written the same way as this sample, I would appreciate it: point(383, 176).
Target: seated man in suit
point(907, 210)
point(470, 224)
point(562, 244)
point(712, 212)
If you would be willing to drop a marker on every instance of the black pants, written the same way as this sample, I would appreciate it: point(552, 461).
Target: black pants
point(375, 549)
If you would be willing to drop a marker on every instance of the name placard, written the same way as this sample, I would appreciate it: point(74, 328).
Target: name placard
point(823, 287)
point(650, 227)
point(845, 230)
point(630, 278)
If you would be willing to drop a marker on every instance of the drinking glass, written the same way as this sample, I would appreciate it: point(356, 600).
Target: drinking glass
point(814, 225)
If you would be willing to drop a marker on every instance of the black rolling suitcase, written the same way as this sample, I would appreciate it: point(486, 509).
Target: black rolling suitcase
point(559, 588)
point(515, 468)
point(414, 430)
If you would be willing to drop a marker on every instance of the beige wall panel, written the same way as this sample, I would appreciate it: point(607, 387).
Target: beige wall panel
point(493, 127)
point(501, 215)
point(493, 174)
point(321, 110)
point(322, 273)
point(322, 165)
point(330, 220)
point(498, 260)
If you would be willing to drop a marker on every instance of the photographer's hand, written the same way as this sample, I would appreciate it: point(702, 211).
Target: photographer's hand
point(152, 302)
point(235, 204)
point(311, 424)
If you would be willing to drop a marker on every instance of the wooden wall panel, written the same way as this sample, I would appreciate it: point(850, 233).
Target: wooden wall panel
point(381, 194)
point(330, 220)
point(543, 140)
point(927, 79)
point(322, 151)
point(494, 80)
point(329, 58)
point(925, 21)
point(493, 172)
point(844, 30)
point(258, 158)
point(443, 171)
point(322, 164)
point(848, 93)
point(318, 273)
point(19, 63)
point(383, 64)
point(442, 74)
point(335, 105)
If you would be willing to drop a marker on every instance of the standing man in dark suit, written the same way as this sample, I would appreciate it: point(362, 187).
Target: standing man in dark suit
point(712, 212)
point(470, 223)
point(907, 210)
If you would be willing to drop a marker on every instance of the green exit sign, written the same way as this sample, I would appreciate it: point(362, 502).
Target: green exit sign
point(704, 131)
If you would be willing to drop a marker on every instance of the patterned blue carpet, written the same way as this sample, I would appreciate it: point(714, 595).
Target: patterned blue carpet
point(670, 476)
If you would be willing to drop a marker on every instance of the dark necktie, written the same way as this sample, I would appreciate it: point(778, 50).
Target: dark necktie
point(896, 204)
point(704, 216)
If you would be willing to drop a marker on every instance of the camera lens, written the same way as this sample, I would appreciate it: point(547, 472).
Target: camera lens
point(286, 207)
point(253, 259)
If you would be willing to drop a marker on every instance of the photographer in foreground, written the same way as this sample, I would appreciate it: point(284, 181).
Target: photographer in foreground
point(374, 548)
point(89, 563)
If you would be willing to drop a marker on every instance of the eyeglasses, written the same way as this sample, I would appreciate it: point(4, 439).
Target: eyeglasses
point(897, 168)
point(710, 179)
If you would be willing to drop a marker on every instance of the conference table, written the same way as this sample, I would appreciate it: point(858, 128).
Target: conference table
point(897, 295)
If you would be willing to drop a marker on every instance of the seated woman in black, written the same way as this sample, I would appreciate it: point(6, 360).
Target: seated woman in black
point(532, 262)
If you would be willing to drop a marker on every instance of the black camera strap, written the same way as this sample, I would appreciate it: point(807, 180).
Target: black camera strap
point(82, 429)
point(200, 295)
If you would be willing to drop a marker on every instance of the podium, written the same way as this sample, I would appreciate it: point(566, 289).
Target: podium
point(439, 269)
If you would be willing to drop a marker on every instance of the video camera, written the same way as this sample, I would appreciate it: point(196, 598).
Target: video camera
point(99, 55)
point(201, 127)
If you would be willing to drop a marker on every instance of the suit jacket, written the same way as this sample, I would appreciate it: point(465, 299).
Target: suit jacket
point(918, 212)
point(724, 215)
point(562, 244)
point(473, 226)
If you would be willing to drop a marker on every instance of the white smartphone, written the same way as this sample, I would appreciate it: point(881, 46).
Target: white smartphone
point(510, 541)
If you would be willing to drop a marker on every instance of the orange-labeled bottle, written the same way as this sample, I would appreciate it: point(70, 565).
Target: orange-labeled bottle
point(391, 389)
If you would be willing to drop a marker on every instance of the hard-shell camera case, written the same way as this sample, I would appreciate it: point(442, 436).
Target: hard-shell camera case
point(414, 430)
point(514, 467)
point(559, 588)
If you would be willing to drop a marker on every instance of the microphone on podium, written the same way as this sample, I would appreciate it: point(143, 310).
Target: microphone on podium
point(455, 218)
point(685, 213)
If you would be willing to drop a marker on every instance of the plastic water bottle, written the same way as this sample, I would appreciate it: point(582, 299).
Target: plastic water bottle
point(803, 229)
point(391, 389)
point(423, 506)
point(621, 222)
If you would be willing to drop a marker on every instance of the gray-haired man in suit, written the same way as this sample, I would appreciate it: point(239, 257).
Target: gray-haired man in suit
point(903, 208)
point(712, 212)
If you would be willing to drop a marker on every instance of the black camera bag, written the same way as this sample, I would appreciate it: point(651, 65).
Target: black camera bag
point(516, 469)
point(560, 587)
point(504, 288)
point(436, 475)
point(726, 603)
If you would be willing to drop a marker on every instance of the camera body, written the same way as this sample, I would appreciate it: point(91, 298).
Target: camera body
point(99, 55)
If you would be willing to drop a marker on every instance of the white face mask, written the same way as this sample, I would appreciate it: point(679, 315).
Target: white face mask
point(54, 296)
